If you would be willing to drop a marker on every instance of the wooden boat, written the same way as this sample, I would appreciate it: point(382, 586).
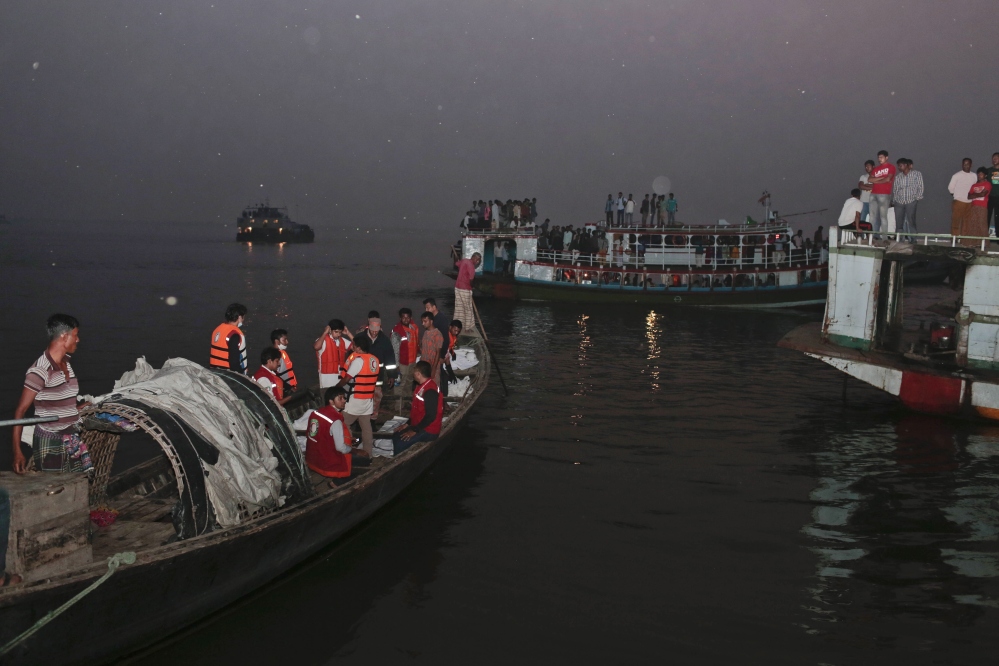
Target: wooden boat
point(950, 368)
point(186, 567)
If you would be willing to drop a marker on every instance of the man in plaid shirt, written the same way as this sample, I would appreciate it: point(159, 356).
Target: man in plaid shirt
point(906, 193)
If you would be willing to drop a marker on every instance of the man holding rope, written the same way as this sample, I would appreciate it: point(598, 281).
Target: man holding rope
point(463, 304)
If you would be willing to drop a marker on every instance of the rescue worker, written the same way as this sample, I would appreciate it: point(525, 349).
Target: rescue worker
point(363, 368)
point(328, 440)
point(425, 415)
point(267, 375)
point(286, 369)
point(381, 347)
point(228, 342)
point(406, 343)
point(331, 352)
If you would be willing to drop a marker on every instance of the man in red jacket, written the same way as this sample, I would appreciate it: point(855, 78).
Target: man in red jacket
point(405, 340)
point(328, 440)
point(426, 414)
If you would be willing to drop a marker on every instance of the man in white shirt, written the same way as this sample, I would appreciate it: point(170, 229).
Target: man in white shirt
point(629, 212)
point(865, 190)
point(960, 183)
point(850, 216)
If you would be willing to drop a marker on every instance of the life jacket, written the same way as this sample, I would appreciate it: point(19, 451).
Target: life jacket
point(367, 378)
point(409, 342)
point(333, 359)
point(264, 373)
point(418, 410)
point(451, 339)
point(320, 451)
point(220, 350)
point(289, 373)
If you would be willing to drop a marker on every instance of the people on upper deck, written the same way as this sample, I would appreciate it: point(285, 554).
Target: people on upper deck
point(882, 181)
point(907, 192)
point(864, 185)
point(960, 184)
point(850, 215)
point(672, 206)
point(51, 387)
point(976, 221)
point(228, 348)
point(993, 203)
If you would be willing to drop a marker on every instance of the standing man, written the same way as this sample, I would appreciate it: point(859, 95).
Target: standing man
point(267, 375)
point(993, 208)
point(865, 190)
point(959, 185)
point(425, 415)
point(406, 343)
point(441, 322)
point(609, 210)
point(629, 212)
point(50, 385)
point(381, 348)
point(621, 204)
point(228, 342)
point(976, 221)
point(907, 192)
point(432, 345)
point(328, 439)
point(645, 211)
point(671, 207)
point(286, 369)
point(363, 368)
point(882, 181)
point(463, 303)
point(331, 352)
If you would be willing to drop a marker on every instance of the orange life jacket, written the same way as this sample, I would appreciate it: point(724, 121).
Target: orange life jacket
point(320, 451)
point(367, 378)
point(332, 360)
point(289, 374)
point(220, 350)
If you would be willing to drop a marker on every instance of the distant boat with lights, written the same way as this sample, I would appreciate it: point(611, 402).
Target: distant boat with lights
point(263, 223)
point(746, 265)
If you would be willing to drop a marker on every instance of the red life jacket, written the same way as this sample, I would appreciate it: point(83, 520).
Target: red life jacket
point(219, 357)
point(365, 380)
point(409, 342)
point(320, 450)
point(418, 410)
point(332, 360)
point(277, 387)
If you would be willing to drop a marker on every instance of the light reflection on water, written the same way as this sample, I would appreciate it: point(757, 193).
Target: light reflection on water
point(653, 331)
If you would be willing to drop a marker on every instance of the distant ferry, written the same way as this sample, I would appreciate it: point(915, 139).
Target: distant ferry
point(264, 223)
point(749, 265)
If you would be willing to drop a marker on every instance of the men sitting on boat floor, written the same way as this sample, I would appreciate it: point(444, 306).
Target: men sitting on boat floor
point(50, 385)
point(328, 450)
point(425, 415)
point(267, 375)
point(331, 349)
point(363, 368)
point(286, 369)
point(228, 342)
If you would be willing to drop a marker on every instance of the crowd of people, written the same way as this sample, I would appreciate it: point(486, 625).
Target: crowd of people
point(497, 214)
point(899, 188)
point(657, 211)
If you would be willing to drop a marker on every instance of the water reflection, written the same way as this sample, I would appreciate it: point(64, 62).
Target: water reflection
point(653, 330)
point(905, 522)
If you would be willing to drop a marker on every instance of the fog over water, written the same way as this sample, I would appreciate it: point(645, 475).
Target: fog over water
point(398, 114)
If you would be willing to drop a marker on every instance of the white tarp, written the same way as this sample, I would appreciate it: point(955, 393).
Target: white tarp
point(246, 471)
point(464, 358)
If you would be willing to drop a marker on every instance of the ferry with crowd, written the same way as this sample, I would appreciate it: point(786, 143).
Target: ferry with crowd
point(747, 265)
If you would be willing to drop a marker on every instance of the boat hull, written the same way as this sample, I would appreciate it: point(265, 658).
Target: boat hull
point(273, 236)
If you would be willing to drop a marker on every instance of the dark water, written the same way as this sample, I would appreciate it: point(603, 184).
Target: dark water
point(659, 487)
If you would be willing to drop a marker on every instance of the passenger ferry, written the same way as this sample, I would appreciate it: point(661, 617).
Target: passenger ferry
point(719, 265)
point(948, 368)
point(263, 223)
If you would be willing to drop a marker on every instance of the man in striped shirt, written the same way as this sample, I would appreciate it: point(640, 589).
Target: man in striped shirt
point(906, 194)
point(50, 386)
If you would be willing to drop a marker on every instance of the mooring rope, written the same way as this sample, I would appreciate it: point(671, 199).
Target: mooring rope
point(113, 563)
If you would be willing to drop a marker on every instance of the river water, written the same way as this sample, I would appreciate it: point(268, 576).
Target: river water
point(658, 486)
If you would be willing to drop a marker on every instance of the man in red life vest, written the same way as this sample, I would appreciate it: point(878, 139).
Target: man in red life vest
point(267, 375)
point(332, 349)
point(363, 368)
point(328, 441)
point(286, 369)
point(426, 413)
point(406, 343)
point(228, 342)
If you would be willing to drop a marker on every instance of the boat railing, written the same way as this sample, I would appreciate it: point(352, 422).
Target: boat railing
point(630, 278)
point(717, 229)
point(689, 259)
point(851, 238)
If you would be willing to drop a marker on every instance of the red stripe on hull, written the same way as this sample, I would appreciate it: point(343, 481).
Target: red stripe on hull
point(930, 393)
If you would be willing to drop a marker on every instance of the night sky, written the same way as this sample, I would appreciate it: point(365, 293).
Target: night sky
point(385, 114)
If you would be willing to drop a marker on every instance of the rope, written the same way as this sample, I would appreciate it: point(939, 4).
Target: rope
point(113, 563)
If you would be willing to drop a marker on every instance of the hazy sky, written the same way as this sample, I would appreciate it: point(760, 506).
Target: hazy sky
point(385, 113)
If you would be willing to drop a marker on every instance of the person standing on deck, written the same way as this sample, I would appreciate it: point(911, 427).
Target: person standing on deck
point(993, 209)
point(441, 323)
point(228, 342)
point(906, 194)
point(328, 440)
point(621, 204)
point(363, 368)
point(432, 345)
point(609, 210)
point(644, 210)
point(331, 352)
point(629, 212)
point(865, 190)
point(463, 303)
point(406, 343)
point(50, 385)
point(959, 185)
point(882, 180)
point(976, 222)
point(381, 348)
point(496, 214)
point(426, 413)
point(671, 207)
point(286, 369)
point(267, 375)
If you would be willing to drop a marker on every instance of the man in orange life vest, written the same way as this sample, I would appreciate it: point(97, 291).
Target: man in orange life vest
point(426, 413)
point(327, 444)
point(406, 343)
point(362, 367)
point(267, 375)
point(228, 342)
point(286, 369)
point(331, 352)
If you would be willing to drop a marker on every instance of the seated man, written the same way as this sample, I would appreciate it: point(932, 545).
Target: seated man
point(328, 439)
point(267, 375)
point(425, 414)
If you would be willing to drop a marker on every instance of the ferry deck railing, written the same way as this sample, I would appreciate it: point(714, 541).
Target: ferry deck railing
point(694, 260)
point(851, 238)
